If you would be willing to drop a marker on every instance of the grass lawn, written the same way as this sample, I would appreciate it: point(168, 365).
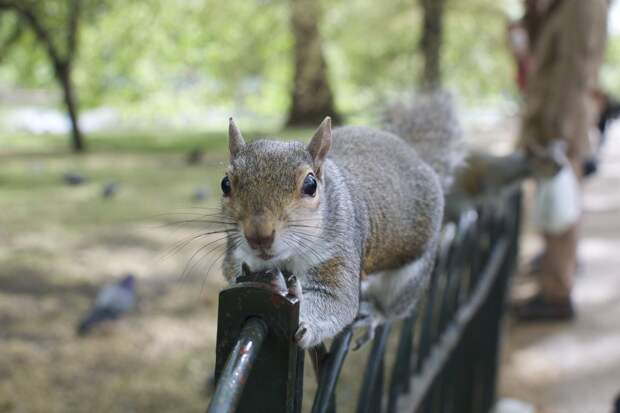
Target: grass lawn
point(60, 243)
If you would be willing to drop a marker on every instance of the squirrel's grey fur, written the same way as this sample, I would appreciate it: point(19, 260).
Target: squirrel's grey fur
point(430, 122)
point(373, 222)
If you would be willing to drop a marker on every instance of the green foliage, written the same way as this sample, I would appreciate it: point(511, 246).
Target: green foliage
point(23, 61)
point(160, 57)
point(27, 60)
point(174, 55)
point(610, 77)
point(371, 50)
point(374, 51)
point(476, 60)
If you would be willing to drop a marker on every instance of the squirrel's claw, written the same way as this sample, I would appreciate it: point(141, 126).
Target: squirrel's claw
point(294, 287)
point(278, 282)
point(368, 335)
point(303, 336)
point(300, 333)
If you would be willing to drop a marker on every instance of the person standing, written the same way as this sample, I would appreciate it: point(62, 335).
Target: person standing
point(567, 42)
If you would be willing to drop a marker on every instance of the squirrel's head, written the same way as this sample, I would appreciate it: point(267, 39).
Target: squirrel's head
point(272, 191)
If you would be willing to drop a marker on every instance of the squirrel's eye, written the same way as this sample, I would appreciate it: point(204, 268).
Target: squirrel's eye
point(309, 186)
point(225, 186)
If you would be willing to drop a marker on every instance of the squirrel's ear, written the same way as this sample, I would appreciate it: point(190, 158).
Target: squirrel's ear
point(235, 140)
point(321, 142)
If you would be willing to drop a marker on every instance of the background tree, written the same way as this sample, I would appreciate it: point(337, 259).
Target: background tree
point(11, 36)
point(431, 41)
point(55, 26)
point(179, 72)
point(312, 97)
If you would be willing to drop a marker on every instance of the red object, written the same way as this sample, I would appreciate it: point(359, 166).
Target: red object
point(523, 66)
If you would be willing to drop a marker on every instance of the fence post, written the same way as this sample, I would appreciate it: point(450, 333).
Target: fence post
point(275, 382)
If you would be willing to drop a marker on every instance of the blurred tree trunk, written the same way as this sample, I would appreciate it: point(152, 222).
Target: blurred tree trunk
point(64, 78)
point(431, 42)
point(62, 63)
point(312, 97)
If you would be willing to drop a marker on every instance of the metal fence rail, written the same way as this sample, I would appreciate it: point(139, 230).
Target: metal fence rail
point(447, 353)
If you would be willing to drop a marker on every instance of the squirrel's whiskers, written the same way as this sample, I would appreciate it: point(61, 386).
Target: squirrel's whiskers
point(217, 228)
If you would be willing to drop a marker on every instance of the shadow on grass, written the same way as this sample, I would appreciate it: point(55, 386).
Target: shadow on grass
point(29, 281)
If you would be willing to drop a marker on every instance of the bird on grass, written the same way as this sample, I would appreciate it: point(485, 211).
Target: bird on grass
point(112, 302)
point(110, 189)
point(73, 178)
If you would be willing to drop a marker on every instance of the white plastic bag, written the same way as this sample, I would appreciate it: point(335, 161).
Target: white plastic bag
point(557, 205)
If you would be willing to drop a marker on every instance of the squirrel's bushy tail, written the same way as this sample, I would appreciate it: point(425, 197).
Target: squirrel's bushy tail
point(430, 123)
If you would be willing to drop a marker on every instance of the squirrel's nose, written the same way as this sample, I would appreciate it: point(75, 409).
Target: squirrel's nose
point(261, 241)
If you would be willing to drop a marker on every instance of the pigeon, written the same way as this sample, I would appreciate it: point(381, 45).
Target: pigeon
point(73, 179)
point(110, 189)
point(200, 194)
point(113, 301)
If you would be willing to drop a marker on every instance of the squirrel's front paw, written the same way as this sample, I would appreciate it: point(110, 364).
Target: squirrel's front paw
point(305, 335)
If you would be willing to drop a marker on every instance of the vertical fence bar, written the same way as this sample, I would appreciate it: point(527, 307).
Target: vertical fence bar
point(331, 371)
point(371, 393)
point(426, 326)
point(401, 372)
point(512, 229)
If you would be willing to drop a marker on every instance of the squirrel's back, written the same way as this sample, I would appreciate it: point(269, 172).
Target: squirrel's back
point(397, 196)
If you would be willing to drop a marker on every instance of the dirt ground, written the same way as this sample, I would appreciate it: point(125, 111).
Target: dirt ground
point(575, 367)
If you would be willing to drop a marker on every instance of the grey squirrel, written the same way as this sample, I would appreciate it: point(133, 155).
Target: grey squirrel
point(355, 216)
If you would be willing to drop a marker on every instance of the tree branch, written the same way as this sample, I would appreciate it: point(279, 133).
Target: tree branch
point(72, 28)
point(30, 17)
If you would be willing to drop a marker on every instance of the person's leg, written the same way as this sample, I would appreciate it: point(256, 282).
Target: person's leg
point(558, 265)
point(555, 280)
point(559, 260)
